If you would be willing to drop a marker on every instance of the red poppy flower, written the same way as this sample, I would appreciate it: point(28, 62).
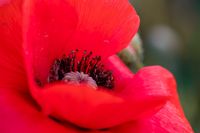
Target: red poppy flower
point(34, 35)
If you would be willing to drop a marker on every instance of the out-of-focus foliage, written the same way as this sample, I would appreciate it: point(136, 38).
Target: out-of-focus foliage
point(170, 31)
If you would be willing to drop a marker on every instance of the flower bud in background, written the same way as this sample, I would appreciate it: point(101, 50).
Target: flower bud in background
point(133, 54)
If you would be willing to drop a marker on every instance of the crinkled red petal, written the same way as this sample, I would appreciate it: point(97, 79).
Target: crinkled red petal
point(147, 87)
point(170, 118)
point(148, 82)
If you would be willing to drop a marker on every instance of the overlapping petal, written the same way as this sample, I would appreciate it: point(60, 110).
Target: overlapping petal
point(40, 50)
point(101, 109)
point(52, 30)
point(146, 87)
point(170, 118)
point(18, 115)
point(146, 101)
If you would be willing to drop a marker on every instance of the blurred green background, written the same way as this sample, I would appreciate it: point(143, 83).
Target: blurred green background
point(170, 30)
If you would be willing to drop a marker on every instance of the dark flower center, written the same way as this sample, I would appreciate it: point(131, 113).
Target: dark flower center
point(87, 69)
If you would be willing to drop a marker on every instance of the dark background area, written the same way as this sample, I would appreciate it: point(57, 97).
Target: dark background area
point(170, 30)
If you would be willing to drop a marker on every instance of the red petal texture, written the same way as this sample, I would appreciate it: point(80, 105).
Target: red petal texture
point(145, 87)
point(48, 25)
point(148, 82)
point(53, 28)
point(11, 60)
point(170, 119)
point(43, 42)
point(18, 115)
point(107, 25)
point(100, 109)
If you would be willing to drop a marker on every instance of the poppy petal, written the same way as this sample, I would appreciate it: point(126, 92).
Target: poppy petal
point(11, 59)
point(89, 108)
point(98, 107)
point(83, 106)
point(37, 67)
point(120, 72)
point(48, 25)
point(107, 25)
point(152, 81)
point(147, 85)
point(19, 116)
point(168, 120)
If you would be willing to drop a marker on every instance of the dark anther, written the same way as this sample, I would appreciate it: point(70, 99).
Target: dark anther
point(87, 64)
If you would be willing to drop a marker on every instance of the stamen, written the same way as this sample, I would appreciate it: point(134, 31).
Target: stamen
point(79, 78)
point(86, 69)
